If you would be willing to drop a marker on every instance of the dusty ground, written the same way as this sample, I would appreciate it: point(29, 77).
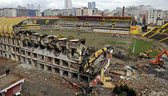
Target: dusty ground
point(41, 83)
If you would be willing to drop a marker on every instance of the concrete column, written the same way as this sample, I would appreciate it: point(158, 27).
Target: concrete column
point(53, 70)
point(69, 75)
point(69, 65)
point(79, 77)
point(45, 68)
point(89, 79)
point(38, 66)
point(33, 65)
point(53, 60)
point(61, 72)
point(27, 61)
point(61, 63)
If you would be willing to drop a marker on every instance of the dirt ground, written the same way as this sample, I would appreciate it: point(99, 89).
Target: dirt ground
point(41, 83)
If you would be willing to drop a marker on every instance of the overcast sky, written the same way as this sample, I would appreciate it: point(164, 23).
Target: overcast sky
point(100, 4)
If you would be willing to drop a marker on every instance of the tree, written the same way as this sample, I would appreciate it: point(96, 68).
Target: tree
point(70, 15)
point(59, 14)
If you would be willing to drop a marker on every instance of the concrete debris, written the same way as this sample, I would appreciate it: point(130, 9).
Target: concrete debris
point(24, 66)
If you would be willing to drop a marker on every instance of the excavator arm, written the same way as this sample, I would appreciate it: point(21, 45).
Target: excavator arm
point(91, 65)
point(158, 60)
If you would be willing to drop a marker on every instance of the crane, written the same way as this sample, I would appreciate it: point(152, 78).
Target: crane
point(158, 61)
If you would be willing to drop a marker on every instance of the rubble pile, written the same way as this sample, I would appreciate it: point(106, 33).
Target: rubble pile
point(41, 83)
point(144, 85)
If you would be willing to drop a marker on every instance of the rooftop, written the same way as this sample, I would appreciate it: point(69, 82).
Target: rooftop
point(8, 80)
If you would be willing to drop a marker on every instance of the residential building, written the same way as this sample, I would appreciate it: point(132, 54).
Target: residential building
point(68, 4)
point(20, 7)
point(79, 12)
point(133, 11)
point(17, 12)
point(39, 12)
point(148, 8)
point(67, 12)
point(93, 5)
point(1, 12)
point(48, 12)
point(106, 11)
point(155, 17)
point(87, 12)
point(28, 6)
point(142, 8)
point(89, 4)
point(9, 12)
point(56, 12)
point(32, 6)
point(74, 11)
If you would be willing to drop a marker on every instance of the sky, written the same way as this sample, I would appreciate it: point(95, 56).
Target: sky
point(100, 4)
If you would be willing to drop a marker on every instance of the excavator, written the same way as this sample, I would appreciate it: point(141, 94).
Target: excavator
point(93, 68)
point(93, 64)
point(158, 60)
point(146, 53)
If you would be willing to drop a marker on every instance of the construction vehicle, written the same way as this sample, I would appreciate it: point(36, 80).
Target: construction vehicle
point(90, 67)
point(89, 90)
point(158, 60)
point(146, 53)
point(93, 64)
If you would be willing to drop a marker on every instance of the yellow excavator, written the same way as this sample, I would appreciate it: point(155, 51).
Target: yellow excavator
point(146, 53)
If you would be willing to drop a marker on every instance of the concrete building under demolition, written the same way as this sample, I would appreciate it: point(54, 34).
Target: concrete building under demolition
point(68, 57)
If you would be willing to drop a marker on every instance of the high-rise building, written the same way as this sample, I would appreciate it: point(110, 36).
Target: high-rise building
point(89, 4)
point(39, 12)
point(74, 11)
point(93, 5)
point(28, 6)
point(68, 4)
point(32, 6)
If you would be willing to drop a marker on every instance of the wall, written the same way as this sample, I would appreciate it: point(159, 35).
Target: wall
point(122, 32)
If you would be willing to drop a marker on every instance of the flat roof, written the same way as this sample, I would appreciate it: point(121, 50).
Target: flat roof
point(2, 70)
point(8, 80)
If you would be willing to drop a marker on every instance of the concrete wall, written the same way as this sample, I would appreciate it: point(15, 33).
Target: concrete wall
point(124, 32)
point(41, 59)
